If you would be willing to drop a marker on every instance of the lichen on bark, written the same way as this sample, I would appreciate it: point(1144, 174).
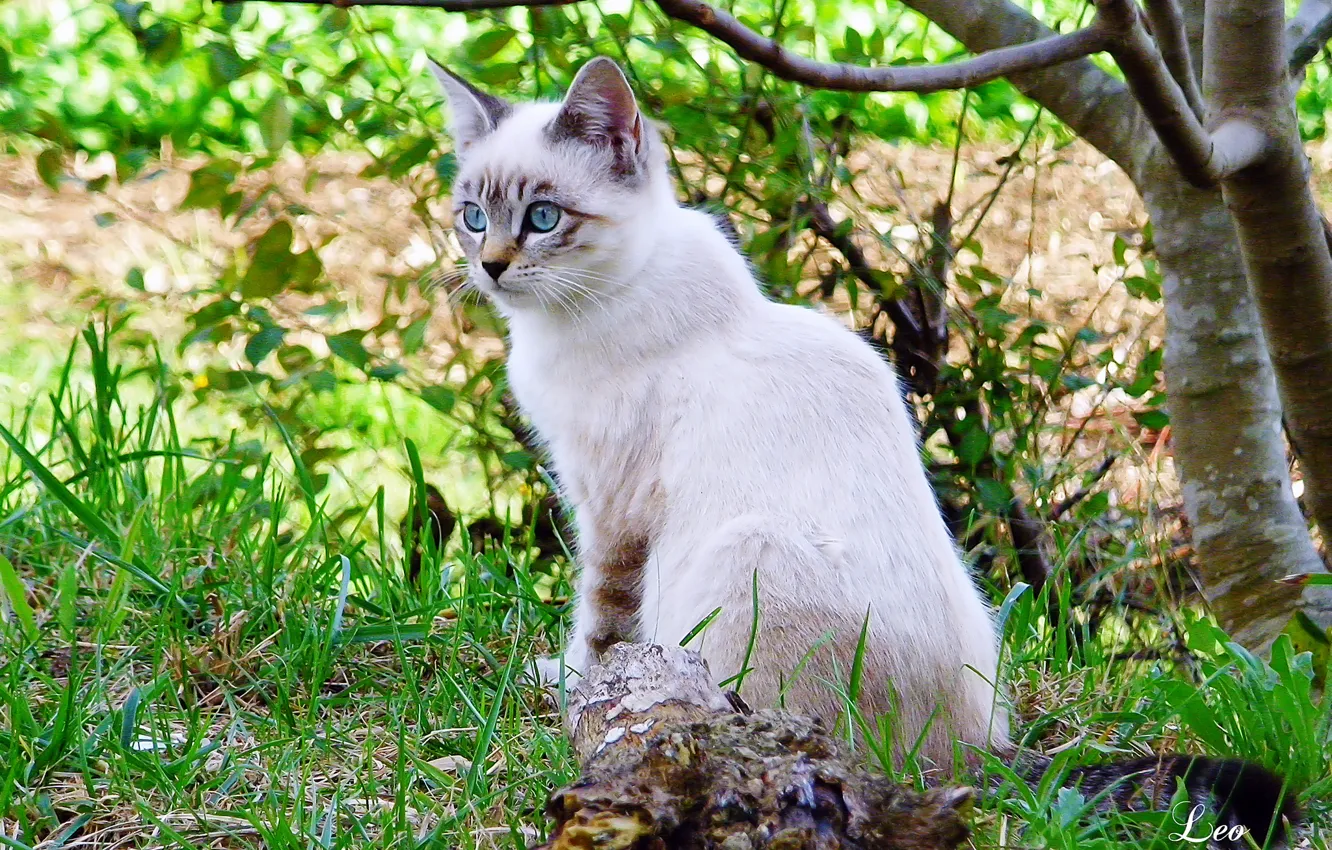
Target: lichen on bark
point(669, 762)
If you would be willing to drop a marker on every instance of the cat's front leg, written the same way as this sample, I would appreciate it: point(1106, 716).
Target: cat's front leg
point(607, 602)
point(610, 591)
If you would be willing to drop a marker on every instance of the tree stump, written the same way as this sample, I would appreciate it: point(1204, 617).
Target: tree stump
point(672, 763)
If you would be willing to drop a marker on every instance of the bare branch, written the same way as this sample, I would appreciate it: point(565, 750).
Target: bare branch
point(1048, 51)
point(1118, 28)
point(1173, 42)
point(1307, 32)
point(1043, 53)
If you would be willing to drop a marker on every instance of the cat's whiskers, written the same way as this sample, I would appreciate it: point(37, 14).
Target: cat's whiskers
point(587, 274)
point(573, 285)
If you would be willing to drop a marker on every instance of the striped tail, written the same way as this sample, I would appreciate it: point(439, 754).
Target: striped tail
point(1243, 797)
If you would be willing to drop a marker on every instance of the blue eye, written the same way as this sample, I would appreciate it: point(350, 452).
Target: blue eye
point(543, 216)
point(474, 218)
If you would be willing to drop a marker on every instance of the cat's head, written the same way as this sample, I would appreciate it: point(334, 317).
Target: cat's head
point(554, 202)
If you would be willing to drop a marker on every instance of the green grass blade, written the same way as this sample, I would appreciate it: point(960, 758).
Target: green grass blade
point(56, 487)
point(17, 594)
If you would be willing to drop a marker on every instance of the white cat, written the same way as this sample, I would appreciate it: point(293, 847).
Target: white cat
point(716, 445)
point(712, 441)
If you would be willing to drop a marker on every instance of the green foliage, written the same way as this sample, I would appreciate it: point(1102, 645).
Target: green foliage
point(211, 614)
point(296, 688)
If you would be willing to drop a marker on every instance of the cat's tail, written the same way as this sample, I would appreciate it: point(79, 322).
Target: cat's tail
point(1242, 797)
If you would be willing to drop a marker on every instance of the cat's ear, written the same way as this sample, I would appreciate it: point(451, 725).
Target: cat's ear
point(474, 113)
point(600, 110)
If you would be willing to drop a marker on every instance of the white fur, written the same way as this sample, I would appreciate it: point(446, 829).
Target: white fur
point(740, 436)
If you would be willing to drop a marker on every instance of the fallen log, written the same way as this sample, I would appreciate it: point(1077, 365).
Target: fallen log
point(669, 762)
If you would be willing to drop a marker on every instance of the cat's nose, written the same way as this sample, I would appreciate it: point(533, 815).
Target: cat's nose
point(495, 268)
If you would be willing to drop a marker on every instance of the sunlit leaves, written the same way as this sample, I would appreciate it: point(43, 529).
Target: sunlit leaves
point(274, 267)
point(488, 43)
point(348, 346)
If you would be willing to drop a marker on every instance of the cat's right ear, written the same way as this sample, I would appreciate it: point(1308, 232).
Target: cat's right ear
point(475, 114)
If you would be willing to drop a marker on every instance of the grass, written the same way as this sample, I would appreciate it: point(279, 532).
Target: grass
point(198, 667)
point(194, 653)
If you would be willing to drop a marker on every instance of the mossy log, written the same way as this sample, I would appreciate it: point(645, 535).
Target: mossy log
point(672, 763)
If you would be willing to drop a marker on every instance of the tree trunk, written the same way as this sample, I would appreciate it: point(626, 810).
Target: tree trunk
point(669, 761)
point(1247, 527)
point(1229, 449)
point(1280, 229)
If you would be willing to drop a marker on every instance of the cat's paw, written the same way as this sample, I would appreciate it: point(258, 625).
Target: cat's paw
point(545, 673)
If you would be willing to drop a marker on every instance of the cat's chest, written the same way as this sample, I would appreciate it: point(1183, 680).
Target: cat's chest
point(603, 427)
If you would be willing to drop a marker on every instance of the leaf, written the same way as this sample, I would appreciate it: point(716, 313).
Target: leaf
point(1143, 287)
point(1077, 382)
point(995, 496)
point(413, 337)
point(230, 380)
point(263, 343)
point(387, 372)
point(134, 280)
point(440, 398)
point(347, 345)
point(17, 595)
point(209, 185)
point(1153, 419)
point(129, 718)
point(973, 445)
point(446, 168)
point(224, 64)
point(129, 14)
point(306, 267)
point(487, 44)
point(50, 167)
point(519, 460)
point(378, 632)
point(270, 262)
point(161, 43)
point(855, 45)
point(322, 381)
point(275, 122)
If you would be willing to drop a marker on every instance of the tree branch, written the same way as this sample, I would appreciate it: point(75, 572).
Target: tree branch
point(1051, 50)
point(1118, 28)
point(748, 44)
point(1307, 32)
point(1202, 158)
point(1173, 42)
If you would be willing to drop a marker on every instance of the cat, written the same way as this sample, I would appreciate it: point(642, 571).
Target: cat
point(722, 453)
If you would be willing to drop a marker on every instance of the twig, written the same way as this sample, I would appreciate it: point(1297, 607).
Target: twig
point(1203, 159)
point(1071, 502)
point(821, 222)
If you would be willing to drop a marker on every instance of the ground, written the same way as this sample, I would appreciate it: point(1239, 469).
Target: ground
point(209, 650)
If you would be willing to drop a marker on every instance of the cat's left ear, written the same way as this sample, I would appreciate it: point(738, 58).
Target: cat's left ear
point(600, 110)
point(475, 114)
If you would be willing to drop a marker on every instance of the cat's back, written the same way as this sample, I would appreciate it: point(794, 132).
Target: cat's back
point(796, 359)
